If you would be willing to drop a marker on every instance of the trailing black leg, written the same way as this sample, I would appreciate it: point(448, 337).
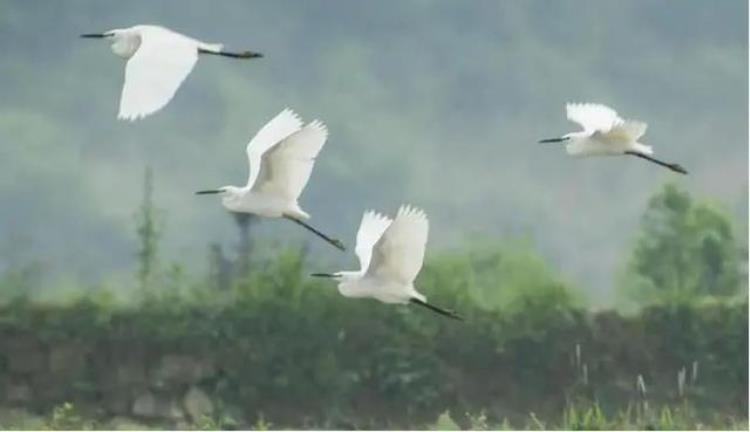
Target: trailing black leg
point(672, 166)
point(335, 242)
point(435, 309)
point(240, 55)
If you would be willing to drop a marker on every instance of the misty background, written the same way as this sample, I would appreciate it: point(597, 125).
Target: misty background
point(433, 103)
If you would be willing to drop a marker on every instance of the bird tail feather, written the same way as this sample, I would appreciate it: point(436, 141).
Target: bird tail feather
point(297, 212)
point(213, 48)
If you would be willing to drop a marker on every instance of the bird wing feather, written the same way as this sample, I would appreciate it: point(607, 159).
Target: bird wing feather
point(593, 117)
point(154, 73)
point(629, 129)
point(290, 163)
point(371, 229)
point(286, 123)
point(399, 253)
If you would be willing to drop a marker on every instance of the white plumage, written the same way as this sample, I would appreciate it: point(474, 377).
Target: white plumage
point(605, 133)
point(158, 61)
point(370, 230)
point(281, 127)
point(281, 157)
point(592, 117)
point(155, 71)
point(391, 254)
point(398, 255)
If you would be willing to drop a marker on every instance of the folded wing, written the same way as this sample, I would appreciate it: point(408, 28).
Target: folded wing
point(399, 253)
point(154, 73)
point(371, 228)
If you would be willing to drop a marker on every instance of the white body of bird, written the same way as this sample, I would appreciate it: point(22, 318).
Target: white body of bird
point(398, 247)
point(262, 204)
point(158, 61)
point(391, 254)
point(606, 134)
point(281, 156)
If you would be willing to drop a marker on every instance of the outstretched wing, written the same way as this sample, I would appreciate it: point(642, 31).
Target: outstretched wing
point(399, 253)
point(278, 129)
point(370, 230)
point(593, 117)
point(154, 73)
point(287, 166)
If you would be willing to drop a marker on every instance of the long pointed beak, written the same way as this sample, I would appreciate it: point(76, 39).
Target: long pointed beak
point(93, 35)
point(206, 192)
point(552, 140)
point(325, 275)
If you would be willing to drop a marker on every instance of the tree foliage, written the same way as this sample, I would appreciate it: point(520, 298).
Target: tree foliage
point(290, 347)
point(686, 249)
point(148, 231)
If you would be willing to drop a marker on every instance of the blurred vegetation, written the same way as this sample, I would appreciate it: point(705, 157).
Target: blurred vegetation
point(291, 348)
point(148, 231)
point(687, 249)
point(574, 417)
point(289, 351)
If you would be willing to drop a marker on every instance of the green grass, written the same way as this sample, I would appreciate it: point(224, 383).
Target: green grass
point(580, 416)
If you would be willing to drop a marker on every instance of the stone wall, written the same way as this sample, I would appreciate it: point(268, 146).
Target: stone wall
point(129, 385)
point(362, 367)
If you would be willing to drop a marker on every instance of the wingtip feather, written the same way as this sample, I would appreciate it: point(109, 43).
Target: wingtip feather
point(288, 112)
point(319, 125)
point(374, 215)
point(408, 210)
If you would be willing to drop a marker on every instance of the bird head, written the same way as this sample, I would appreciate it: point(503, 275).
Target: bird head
point(563, 138)
point(124, 42)
point(229, 194)
point(224, 191)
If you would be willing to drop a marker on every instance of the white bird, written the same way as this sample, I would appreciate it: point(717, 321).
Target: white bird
point(281, 157)
point(158, 60)
point(391, 253)
point(606, 134)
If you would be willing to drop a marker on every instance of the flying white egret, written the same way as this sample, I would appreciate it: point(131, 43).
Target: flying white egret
point(158, 60)
point(606, 134)
point(390, 255)
point(281, 156)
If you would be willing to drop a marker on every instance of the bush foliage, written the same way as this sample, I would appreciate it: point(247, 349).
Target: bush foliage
point(291, 348)
point(289, 351)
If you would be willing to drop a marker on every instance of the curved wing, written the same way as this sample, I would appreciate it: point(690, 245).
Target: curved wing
point(287, 166)
point(154, 73)
point(629, 129)
point(593, 117)
point(399, 254)
point(278, 129)
point(370, 230)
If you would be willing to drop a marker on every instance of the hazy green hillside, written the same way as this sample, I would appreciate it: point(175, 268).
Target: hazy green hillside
point(435, 103)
